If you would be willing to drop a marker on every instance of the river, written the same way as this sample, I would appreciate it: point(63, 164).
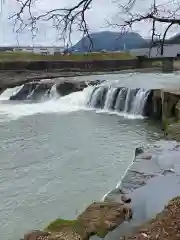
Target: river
point(59, 155)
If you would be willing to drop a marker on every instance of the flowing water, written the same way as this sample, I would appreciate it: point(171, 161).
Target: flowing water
point(61, 153)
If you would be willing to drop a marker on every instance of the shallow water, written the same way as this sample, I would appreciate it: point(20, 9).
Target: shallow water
point(57, 157)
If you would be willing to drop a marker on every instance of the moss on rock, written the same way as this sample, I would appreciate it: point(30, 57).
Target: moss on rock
point(58, 224)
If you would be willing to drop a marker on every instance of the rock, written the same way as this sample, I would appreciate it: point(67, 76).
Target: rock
point(32, 91)
point(36, 235)
point(101, 217)
point(125, 199)
point(67, 87)
point(97, 219)
point(67, 230)
point(164, 226)
point(138, 151)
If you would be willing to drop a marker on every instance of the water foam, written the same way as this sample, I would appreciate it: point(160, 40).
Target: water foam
point(73, 102)
point(10, 92)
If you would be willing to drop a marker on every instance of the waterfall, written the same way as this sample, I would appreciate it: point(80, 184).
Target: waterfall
point(30, 96)
point(104, 97)
point(125, 100)
point(120, 101)
point(139, 102)
point(53, 93)
point(98, 97)
point(10, 92)
point(110, 97)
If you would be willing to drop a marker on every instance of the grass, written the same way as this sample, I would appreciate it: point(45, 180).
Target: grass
point(25, 56)
point(58, 224)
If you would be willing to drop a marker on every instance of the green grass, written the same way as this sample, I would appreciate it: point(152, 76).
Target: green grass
point(58, 224)
point(23, 56)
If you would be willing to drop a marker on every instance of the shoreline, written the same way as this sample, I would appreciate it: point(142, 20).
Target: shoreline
point(151, 171)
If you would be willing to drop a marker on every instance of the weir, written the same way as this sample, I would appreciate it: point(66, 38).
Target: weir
point(159, 104)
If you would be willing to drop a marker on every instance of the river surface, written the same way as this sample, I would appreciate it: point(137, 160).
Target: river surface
point(58, 156)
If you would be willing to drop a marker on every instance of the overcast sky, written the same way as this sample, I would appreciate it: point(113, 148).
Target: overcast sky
point(96, 17)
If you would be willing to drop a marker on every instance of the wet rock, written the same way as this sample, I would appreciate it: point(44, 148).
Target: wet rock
point(117, 195)
point(144, 156)
point(36, 235)
point(164, 226)
point(67, 87)
point(138, 150)
point(24, 91)
point(101, 217)
point(67, 230)
point(32, 91)
point(97, 219)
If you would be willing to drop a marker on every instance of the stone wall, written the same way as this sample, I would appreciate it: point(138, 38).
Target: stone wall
point(165, 104)
point(82, 65)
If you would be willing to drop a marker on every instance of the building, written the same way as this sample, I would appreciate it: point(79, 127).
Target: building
point(170, 50)
point(43, 50)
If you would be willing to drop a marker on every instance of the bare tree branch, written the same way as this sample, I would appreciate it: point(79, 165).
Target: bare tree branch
point(65, 19)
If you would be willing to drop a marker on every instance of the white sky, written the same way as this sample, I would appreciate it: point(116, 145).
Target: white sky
point(96, 17)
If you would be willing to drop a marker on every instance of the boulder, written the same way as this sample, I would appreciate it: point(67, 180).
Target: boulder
point(97, 219)
point(101, 217)
point(164, 226)
point(24, 91)
point(32, 91)
point(36, 235)
point(138, 150)
point(67, 87)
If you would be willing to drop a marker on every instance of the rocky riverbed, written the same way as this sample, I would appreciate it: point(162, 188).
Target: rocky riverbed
point(145, 205)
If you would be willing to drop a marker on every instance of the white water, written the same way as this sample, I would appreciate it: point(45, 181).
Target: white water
point(96, 95)
point(72, 102)
point(110, 97)
point(75, 102)
point(127, 100)
point(10, 92)
point(31, 94)
point(120, 98)
point(139, 102)
point(53, 92)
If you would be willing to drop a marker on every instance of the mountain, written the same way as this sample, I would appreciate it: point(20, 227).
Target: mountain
point(172, 40)
point(109, 41)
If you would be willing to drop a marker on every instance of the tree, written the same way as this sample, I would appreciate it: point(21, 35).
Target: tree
point(65, 18)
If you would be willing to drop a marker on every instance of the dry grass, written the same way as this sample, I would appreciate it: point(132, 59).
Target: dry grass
point(23, 56)
point(165, 226)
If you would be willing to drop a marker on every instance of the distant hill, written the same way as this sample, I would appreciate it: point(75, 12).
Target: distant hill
point(109, 41)
point(172, 40)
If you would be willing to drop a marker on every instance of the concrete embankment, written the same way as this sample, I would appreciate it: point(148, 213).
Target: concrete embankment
point(151, 182)
point(145, 205)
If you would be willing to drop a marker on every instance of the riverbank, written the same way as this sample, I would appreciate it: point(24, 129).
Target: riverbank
point(132, 211)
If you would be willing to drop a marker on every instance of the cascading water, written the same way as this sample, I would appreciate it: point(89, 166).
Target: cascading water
point(120, 100)
point(139, 102)
point(10, 92)
point(53, 93)
point(127, 102)
point(110, 97)
point(97, 97)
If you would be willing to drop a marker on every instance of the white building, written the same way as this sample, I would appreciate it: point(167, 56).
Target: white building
point(170, 50)
point(43, 50)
